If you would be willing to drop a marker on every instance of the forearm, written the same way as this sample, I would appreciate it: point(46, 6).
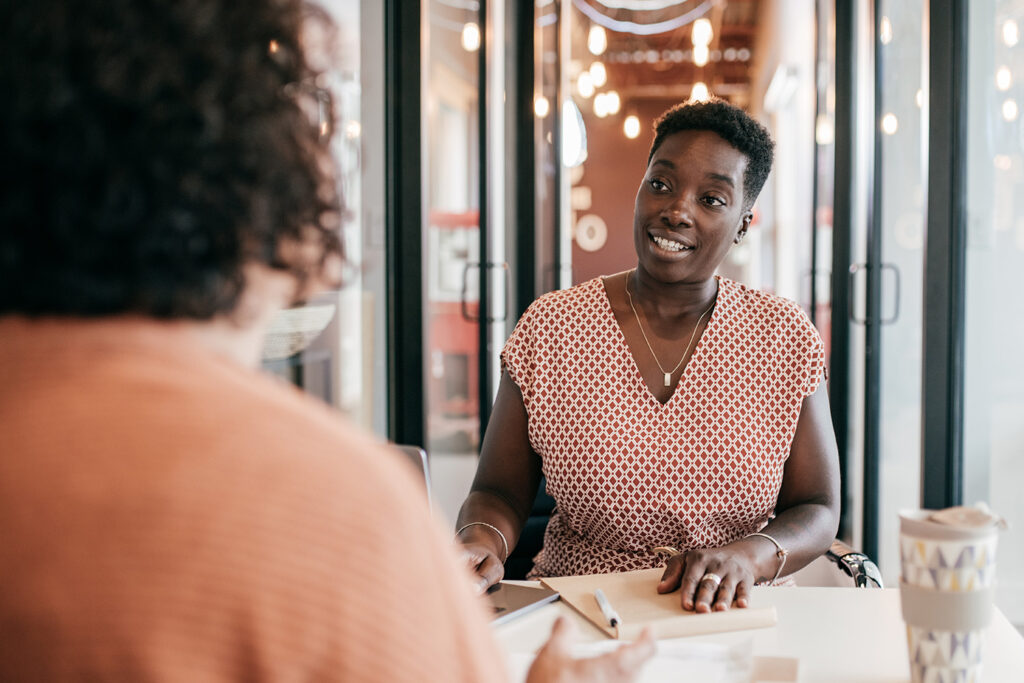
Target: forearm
point(804, 531)
point(491, 508)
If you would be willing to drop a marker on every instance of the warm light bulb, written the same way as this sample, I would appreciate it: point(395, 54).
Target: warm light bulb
point(890, 124)
point(1010, 110)
point(702, 33)
point(1004, 79)
point(631, 127)
point(601, 105)
point(541, 106)
point(1010, 33)
point(470, 37)
point(699, 92)
point(700, 54)
point(824, 130)
point(597, 40)
point(599, 74)
point(273, 47)
point(612, 101)
point(585, 84)
point(885, 31)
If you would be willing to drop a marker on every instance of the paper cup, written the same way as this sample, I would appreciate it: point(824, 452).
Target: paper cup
point(947, 571)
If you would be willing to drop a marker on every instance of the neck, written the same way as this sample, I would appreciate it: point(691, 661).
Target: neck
point(672, 300)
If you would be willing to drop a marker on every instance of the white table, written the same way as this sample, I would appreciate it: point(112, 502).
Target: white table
point(839, 635)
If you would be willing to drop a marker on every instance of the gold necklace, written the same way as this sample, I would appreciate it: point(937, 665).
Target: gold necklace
point(668, 375)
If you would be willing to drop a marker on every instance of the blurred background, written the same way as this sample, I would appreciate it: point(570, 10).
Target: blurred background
point(490, 151)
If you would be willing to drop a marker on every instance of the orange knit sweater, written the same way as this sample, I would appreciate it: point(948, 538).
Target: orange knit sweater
point(166, 515)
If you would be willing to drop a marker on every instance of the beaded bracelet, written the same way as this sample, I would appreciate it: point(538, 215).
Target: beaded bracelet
point(780, 553)
point(493, 528)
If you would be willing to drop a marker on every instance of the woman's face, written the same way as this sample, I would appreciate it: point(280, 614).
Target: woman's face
point(689, 208)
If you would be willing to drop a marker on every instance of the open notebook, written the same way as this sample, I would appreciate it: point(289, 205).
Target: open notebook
point(635, 598)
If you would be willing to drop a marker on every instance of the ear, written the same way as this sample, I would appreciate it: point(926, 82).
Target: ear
point(744, 224)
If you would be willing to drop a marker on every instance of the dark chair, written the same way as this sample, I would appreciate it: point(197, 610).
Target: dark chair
point(840, 566)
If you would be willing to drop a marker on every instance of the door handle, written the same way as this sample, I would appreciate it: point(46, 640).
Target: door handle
point(856, 268)
point(463, 300)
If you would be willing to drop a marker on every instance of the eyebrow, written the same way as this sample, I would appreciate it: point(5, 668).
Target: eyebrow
point(713, 176)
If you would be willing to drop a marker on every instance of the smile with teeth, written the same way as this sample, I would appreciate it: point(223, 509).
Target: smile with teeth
point(670, 245)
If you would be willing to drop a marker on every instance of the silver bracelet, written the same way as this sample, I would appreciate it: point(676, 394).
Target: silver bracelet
point(780, 553)
point(493, 528)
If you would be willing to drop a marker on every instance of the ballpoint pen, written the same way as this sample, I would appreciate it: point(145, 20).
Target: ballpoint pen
point(606, 608)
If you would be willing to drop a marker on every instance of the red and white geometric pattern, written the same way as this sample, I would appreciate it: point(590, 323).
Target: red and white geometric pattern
point(629, 473)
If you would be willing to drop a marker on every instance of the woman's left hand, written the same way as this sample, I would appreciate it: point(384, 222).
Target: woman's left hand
point(711, 579)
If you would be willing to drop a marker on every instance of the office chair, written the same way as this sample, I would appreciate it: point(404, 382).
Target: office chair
point(840, 566)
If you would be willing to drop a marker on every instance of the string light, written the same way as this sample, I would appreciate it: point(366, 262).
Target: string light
point(598, 74)
point(1010, 33)
point(700, 55)
point(699, 92)
point(701, 33)
point(890, 124)
point(541, 106)
point(1004, 79)
point(1010, 110)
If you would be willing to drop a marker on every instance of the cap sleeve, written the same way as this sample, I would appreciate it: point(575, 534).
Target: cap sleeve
point(813, 366)
point(519, 355)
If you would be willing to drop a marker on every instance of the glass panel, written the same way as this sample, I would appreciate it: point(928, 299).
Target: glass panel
point(334, 347)
point(452, 260)
point(994, 373)
point(902, 130)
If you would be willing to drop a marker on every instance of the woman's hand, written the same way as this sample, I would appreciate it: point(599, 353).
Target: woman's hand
point(711, 579)
point(482, 558)
point(555, 663)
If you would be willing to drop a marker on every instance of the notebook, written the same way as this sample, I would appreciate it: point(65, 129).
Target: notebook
point(510, 600)
point(634, 597)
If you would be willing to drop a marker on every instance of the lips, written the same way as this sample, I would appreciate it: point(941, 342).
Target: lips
point(670, 245)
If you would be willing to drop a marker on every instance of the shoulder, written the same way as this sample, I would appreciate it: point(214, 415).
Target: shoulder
point(567, 303)
point(766, 309)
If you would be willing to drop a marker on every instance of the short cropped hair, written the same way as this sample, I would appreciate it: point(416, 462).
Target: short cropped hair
point(153, 148)
point(734, 126)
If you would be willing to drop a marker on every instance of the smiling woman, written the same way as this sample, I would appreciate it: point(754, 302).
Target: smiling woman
point(729, 457)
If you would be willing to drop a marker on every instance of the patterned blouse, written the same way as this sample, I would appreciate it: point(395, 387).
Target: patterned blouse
point(629, 473)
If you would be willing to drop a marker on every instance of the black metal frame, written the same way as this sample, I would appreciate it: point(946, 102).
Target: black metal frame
point(842, 236)
point(526, 161)
point(485, 388)
point(943, 341)
point(404, 223)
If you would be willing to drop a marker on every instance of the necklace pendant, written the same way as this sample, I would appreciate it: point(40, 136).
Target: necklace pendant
point(668, 379)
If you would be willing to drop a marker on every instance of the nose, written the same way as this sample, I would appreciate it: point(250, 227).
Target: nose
point(678, 212)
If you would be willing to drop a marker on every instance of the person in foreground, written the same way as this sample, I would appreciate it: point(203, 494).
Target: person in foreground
point(672, 412)
point(167, 512)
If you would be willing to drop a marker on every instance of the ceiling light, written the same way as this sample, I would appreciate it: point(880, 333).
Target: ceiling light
point(702, 33)
point(541, 106)
point(597, 40)
point(631, 127)
point(700, 54)
point(699, 92)
point(585, 84)
point(470, 37)
point(1003, 78)
point(613, 102)
point(598, 74)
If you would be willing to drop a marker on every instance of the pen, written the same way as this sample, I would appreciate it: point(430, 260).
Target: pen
point(606, 608)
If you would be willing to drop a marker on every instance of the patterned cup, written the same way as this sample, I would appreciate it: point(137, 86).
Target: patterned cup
point(947, 567)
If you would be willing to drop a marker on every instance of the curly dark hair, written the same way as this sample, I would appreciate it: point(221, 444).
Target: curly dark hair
point(151, 149)
point(733, 125)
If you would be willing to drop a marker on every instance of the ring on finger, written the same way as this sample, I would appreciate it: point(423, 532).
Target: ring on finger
point(713, 578)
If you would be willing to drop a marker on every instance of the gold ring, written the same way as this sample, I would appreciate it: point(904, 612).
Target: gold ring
point(712, 577)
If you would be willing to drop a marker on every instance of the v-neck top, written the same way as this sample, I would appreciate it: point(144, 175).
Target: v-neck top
point(629, 473)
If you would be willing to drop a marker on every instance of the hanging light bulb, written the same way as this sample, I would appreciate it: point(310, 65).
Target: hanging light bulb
point(541, 106)
point(701, 33)
point(700, 55)
point(699, 92)
point(601, 105)
point(585, 84)
point(631, 127)
point(890, 124)
point(1010, 33)
point(598, 74)
point(612, 102)
point(1004, 78)
point(597, 40)
point(470, 37)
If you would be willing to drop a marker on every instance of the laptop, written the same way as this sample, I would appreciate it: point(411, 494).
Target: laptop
point(510, 600)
